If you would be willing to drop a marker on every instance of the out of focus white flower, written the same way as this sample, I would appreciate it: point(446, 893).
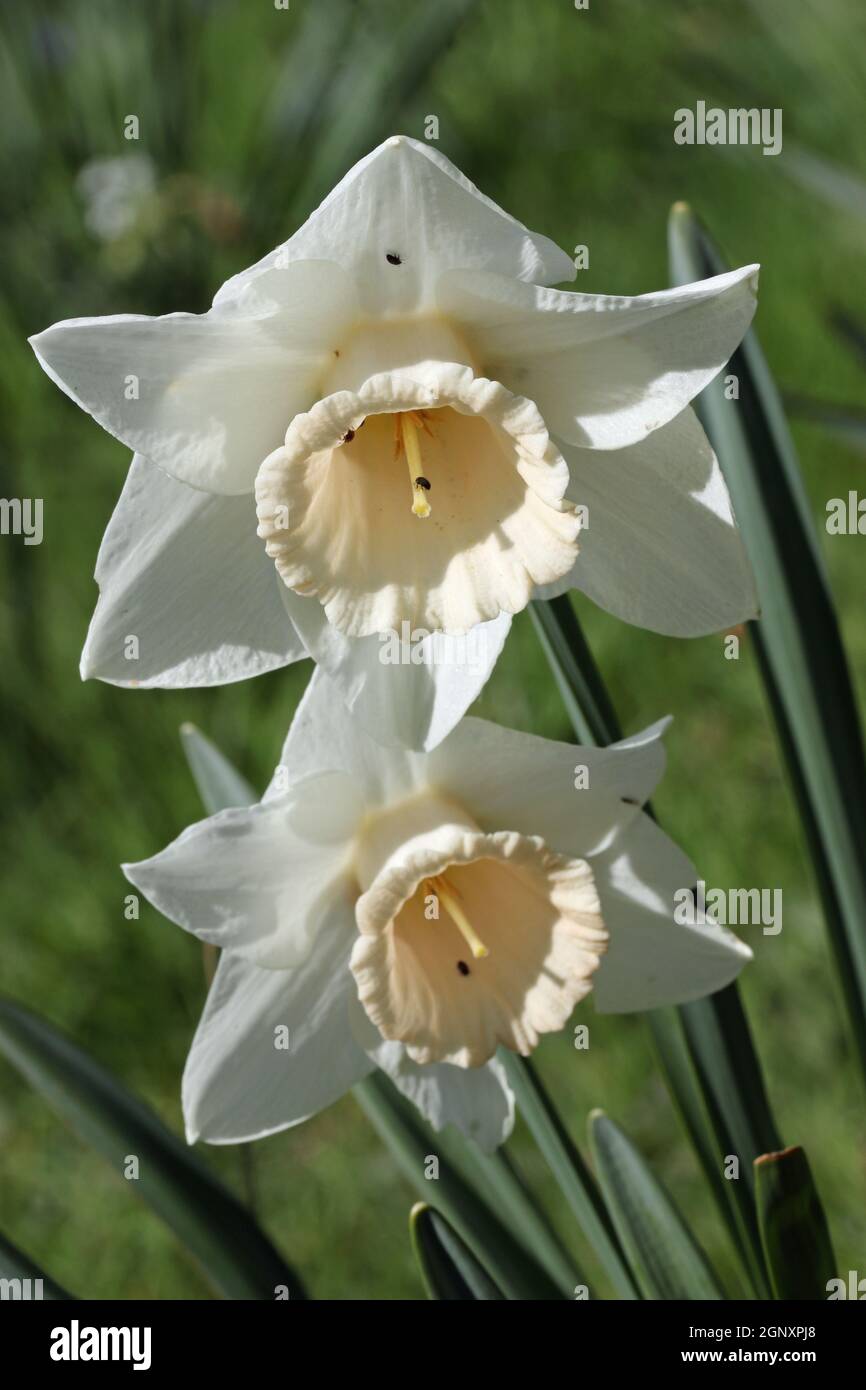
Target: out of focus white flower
point(115, 191)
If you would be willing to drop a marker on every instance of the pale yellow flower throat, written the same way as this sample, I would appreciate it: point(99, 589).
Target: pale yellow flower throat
point(406, 441)
point(448, 895)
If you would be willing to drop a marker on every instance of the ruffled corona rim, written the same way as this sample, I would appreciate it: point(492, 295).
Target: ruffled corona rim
point(456, 544)
point(469, 940)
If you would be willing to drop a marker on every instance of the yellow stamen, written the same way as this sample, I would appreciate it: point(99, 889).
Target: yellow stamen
point(446, 893)
point(409, 431)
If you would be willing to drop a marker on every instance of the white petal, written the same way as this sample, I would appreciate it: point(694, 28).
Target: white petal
point(323, 733)
point(478, 1102)
point(410, 702)
point(516, 781)
point(185, 574)
point(603, 370)
point(651, 959)
point(213, 394)
point(237, 1085)
point(661, 548)
point(406, 200)
point(252, 880)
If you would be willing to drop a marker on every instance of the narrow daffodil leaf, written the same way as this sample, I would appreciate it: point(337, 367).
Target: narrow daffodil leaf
point(219, 783)
point(666, 1260)
point(18, 1267)
point(793, 1226)
point(574, 1178)
point(450, 1271)
point(232, 1250)
point(723, 1064)
point(683, 1083)
point(418, 1152)
point(496, 1176)
point(800, 646)
point(589, 707)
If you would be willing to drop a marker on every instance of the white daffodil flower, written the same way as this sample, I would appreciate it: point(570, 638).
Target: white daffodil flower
point(415, 912)
point(389, 425)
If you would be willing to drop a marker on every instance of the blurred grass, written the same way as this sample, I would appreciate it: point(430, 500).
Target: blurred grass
point(248, 114)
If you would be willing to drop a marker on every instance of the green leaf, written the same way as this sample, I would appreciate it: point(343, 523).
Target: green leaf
point(572, 1175)
point(793, 1226)
point(14, 1264)
point(589, 707)
point(666, 1260)
point(413, 1144)
point(722, 1062)
point(234, 1253)
point(684, 1085)
point(798, 638)
point(450, 1271)
point(496, 1176)
point(219, 783)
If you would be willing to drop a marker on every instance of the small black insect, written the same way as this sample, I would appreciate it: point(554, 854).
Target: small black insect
point(348, 436)
point(393, 259)
point(463, 967)
point(422, 482)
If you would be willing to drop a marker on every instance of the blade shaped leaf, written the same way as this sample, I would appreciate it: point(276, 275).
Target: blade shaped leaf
point(793, 1226)
point(595, 721)
point(414, 1145)
point(800, 647)
point(666, 1260)
point(572, 1175)
point(232, 1250)
point(450, 1271)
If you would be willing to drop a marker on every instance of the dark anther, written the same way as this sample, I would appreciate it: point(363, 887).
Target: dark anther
point(422, 482)
point(348, 436)
point(463, 967)
point(393, 259)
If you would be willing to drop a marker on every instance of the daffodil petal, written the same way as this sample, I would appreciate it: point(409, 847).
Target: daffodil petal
point(400, 217)
point(412, 696)
point(184, 574)
point(253, 879)
point(207, 396)
point(325, 733)
point(240, 1081)
point(577, 799)
point(604, 370)
point(661, 548)
point(652, 960)
point(477, 1102)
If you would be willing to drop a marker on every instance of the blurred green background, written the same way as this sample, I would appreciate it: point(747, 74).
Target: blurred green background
point(248, 114)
